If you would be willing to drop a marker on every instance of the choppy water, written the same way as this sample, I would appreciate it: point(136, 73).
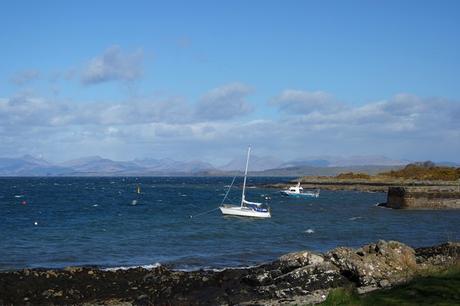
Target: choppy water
point(57, 222)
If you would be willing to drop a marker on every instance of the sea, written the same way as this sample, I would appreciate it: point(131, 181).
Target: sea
point(54, 222)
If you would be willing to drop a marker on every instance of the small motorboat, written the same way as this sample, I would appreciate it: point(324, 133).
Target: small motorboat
point(298, 192)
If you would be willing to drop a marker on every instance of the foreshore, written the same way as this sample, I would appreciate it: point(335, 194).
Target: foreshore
point(297, 278)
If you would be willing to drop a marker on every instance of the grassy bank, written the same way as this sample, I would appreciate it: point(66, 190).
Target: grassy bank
point(440, 288)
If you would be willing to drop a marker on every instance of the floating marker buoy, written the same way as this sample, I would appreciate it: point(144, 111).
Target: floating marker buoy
point(35, 223)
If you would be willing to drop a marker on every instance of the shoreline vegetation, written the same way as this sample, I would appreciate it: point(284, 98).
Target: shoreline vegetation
point(301, 278)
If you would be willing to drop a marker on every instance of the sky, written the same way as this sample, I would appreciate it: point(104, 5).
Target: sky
point(201, 80)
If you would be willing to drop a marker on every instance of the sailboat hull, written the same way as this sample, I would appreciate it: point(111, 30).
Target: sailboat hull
point(244, 212)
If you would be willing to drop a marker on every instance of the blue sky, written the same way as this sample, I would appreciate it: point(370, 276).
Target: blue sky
point(202, 79)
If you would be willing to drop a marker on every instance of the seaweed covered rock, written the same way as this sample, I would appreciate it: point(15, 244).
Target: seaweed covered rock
point(438, 256)
point(294, 274)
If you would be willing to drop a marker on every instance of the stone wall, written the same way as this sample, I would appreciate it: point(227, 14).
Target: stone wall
point(423, 198)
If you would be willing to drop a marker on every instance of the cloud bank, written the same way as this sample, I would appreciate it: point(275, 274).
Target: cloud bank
point(304, 123)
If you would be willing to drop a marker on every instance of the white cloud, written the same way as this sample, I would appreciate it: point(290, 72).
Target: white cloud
point(24, 77)
point(305, 102)
point(225, 102)
point(113, 65)
point(406, 104)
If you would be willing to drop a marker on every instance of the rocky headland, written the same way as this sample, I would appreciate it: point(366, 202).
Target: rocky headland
point(416, 186)
point(425, 174)
point(363, 184)
point(296, 278)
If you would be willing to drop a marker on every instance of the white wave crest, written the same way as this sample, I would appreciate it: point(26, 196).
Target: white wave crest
point(153, 266)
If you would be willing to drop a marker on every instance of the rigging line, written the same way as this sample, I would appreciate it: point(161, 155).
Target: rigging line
point(226, 194)
point(206, 212)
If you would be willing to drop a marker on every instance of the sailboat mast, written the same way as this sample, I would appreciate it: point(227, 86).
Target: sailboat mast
point(245, 174)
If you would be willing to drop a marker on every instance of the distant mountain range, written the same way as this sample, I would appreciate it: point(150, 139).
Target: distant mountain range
point(28, 165)
point(96, 165)
point(267, 163)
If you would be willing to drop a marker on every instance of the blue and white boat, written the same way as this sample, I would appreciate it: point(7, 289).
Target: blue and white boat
point(298, 192)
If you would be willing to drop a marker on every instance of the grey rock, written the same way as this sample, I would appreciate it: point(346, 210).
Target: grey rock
point(391, 261)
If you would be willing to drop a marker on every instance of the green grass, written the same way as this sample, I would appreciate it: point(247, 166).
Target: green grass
point(441, 288)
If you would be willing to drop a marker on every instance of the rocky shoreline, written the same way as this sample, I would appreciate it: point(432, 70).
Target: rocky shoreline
point(301, 277)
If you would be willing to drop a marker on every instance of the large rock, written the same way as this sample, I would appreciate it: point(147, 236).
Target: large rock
point(379, 264)
point(300, 259)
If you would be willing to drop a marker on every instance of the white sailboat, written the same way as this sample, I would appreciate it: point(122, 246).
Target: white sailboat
point(247, 208)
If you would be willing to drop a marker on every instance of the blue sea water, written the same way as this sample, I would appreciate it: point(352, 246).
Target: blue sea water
point(58, 222)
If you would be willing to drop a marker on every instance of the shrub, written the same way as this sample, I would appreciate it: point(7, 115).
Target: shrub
point(351, 175)
point(425, 171)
